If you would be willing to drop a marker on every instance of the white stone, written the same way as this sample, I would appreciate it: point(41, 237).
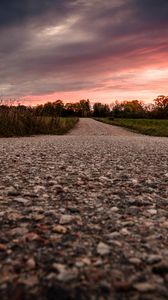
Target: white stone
point(124, 231)
point(66, 219)
point(152, 211)
point(114, 209)
point(103, 249)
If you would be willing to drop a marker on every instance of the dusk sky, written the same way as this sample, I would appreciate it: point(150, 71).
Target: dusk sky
point(77, 49)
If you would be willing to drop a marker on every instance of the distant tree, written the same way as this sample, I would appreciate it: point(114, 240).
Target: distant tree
point(58, 107)
point(117, 109)
point(84, 108)
point(101, 110)
point(133, 106)
point(149, 110)
point(80, 109)
point(129, 109)
point(70, 109)
point(22, 108)
point(39, 110)
point(161, 106)
point(48, 109)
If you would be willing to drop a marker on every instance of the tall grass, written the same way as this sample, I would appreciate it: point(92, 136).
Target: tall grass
point(153, 127)
point(25, 123)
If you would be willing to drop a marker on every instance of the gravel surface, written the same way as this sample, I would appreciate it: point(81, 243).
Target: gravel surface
point(84, 218)
point(92, 127)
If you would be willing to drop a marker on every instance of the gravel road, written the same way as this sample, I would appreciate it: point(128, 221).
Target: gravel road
point(91, 127)
point(84, 217)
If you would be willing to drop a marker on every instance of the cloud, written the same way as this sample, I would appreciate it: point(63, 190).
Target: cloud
point(151, 10)
point(62, 45)
point(18, 12)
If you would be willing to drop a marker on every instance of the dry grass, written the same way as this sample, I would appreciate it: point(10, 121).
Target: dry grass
point(25, 123)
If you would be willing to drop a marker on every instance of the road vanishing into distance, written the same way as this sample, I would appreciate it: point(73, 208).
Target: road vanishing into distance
point(84, 215)
point(87, 127)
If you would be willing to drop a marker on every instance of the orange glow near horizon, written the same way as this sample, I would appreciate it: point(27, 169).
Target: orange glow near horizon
point(145, 85)
point(72, 50)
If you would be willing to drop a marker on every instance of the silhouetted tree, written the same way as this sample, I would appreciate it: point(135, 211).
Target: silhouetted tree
point(161, 106)
point(58, 107)
point(129, 109)
point(84, 108)
point(101, 110)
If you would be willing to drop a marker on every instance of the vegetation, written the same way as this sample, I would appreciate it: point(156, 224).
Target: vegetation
point(101, 110)
point(137, 109)
point(147, 119)
point(58, 108)
point(58, 118)
point(19, 121)
point(153, 127)
point(126, 109)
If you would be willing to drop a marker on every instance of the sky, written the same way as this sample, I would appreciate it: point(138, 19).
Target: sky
point(100, 50)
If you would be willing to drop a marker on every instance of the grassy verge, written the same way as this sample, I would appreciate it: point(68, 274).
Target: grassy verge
point(145, 126)
point(15, 123)
point(66, 124)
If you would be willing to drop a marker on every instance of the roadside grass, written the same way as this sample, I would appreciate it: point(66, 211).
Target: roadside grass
point(16, 123)
point(66, 124)
point(152, 127)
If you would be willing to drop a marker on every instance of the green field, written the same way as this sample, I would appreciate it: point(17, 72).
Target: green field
point(145, 126)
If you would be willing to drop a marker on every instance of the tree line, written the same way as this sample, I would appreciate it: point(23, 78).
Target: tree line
point(83, 108)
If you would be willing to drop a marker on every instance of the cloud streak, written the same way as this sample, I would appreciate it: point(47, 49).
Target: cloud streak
point(56, 47)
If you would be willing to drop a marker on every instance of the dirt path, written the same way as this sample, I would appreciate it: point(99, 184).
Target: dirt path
point(90, 127)
point(84, 217)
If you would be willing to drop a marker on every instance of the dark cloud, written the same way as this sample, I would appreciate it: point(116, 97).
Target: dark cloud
point(152, 10)
point(66, 45)
point(17, 12)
